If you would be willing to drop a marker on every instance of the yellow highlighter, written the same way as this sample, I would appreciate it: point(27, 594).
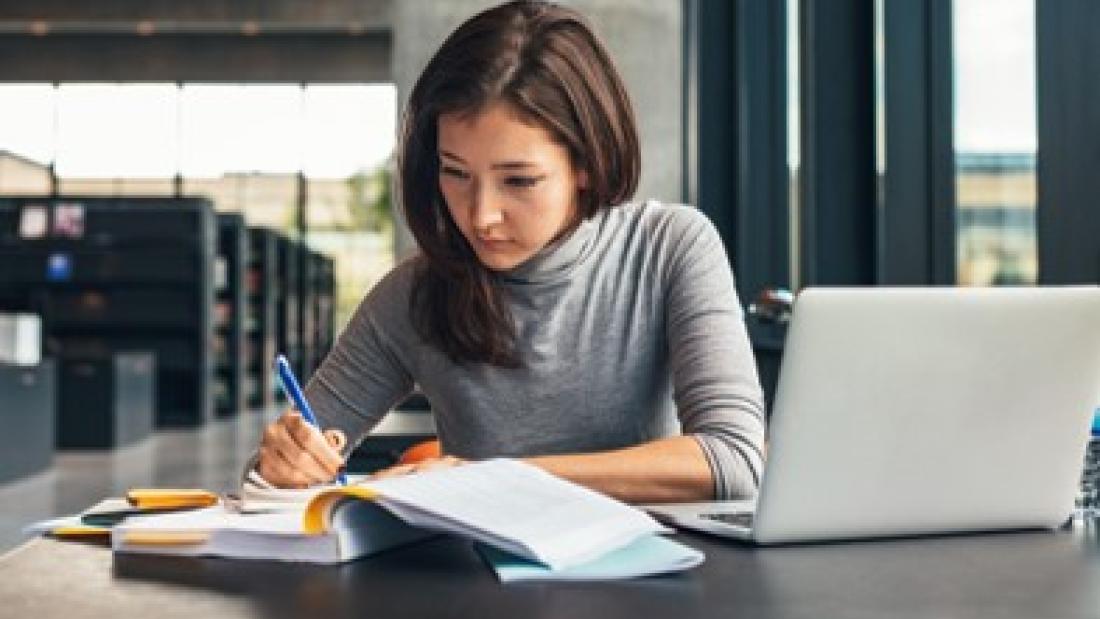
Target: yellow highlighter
point(166, 538)
point(153, 499)
point(80, 532)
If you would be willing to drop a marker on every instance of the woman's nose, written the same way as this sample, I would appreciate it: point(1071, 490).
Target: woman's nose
point(485, 212)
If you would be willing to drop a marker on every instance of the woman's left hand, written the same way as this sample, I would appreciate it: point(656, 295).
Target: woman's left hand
point(430, 464)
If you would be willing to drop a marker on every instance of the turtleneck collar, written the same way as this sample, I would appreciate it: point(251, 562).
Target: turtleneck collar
point(558, 259)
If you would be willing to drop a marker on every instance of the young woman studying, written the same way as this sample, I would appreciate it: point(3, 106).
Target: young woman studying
point(545, 317)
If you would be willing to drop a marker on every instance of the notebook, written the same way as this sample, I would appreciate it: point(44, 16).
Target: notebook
point(650, 555)
point(506, 504)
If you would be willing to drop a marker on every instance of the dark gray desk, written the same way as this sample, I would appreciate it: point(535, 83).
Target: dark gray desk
point(1013, 575)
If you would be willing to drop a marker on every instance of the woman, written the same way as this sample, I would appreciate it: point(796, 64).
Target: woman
point(544, 318)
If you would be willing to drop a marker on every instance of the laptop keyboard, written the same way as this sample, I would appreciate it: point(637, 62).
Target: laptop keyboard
point(740, 519)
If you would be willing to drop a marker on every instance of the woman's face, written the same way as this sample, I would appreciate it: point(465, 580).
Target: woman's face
point(508, 186)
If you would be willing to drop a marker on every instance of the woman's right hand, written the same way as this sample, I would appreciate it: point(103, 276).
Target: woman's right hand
point(295, 454)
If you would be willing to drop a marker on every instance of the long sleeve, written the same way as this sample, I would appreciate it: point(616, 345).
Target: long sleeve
point(369, 370)
point(715, 384)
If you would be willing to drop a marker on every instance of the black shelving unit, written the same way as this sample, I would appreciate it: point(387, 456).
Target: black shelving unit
point(307, 315)
point(324, 304)
point(287, 290)
point(119, 274)
point(318, 308)
point(261, 288)
point(229, 315)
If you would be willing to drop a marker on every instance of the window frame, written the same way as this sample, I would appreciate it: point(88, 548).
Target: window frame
point(1067, 218)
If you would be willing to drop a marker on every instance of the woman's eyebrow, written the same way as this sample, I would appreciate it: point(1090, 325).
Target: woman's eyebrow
point(450, 155)
point(513, 165)
point(502, 165)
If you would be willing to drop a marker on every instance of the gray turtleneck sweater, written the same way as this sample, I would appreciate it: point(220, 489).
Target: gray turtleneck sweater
point(630, 331)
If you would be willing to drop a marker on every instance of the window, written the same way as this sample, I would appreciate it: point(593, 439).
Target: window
point(250, 148)
point(116, 139)
point(995, 141)
point(349, 136)
point(30, 114)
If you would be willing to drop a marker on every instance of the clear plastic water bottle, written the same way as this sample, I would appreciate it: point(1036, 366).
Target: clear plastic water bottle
point(1089, 500)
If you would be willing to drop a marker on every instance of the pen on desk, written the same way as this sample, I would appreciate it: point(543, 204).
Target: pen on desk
point(294, 392)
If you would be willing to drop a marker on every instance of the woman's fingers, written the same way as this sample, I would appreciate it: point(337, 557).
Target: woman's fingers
point(314, 445)
point(304, 468)
point(295, 454)
point(277, 470)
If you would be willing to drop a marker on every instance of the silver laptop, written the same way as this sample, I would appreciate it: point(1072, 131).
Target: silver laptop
point(907, 411)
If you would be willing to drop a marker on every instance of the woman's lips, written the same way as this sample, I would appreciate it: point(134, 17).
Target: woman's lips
point(493, 244)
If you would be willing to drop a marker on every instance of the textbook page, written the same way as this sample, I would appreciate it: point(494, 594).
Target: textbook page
point(257, 495)
point(517, 507)
point(217, 518)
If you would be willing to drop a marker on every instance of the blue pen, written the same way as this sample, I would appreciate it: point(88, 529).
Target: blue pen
point(294, 392)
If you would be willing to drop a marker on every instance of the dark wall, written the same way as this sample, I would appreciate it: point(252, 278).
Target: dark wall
point(210, 40)
point(290, 57)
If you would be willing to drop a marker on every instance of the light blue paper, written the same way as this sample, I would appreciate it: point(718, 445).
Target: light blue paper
point(648, 556)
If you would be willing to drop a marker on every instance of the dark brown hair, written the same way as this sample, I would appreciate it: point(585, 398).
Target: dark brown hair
point(545, 62)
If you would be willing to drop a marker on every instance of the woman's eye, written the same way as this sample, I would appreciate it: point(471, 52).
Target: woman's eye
point(455, 172)
point(522, 181)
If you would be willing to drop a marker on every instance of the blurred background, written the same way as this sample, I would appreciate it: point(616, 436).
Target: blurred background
point(187, 189)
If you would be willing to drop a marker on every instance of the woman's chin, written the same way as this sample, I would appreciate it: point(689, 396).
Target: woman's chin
point(499, 261)
point(496, 263)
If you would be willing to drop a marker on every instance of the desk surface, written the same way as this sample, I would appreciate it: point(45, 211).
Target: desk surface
point(1017, 575)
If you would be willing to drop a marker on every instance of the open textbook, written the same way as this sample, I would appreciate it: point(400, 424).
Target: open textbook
point(505, 504)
